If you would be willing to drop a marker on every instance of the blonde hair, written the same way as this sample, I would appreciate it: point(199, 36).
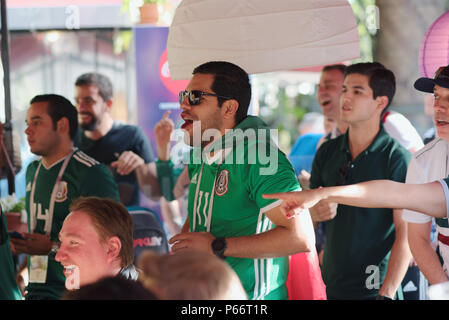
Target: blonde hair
point(189, 275)
point(110, 218)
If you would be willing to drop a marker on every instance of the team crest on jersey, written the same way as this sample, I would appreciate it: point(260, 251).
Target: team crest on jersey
point(61, 192)
point(221, 186)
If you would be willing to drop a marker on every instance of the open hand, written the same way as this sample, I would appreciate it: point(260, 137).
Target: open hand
point(324, 211)
point(198, 241)
point(127, 162)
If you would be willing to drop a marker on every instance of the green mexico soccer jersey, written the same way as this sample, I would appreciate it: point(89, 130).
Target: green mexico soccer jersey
point(83, 176)
point(225, 199)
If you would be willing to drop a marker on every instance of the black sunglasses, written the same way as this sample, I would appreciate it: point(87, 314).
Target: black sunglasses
point(194, 96)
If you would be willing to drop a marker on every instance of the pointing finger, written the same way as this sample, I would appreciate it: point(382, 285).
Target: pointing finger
point(280, 195)
point(166, 114)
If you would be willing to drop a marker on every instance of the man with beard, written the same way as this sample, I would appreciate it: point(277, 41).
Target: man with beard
point(226, 213)
point(124, 148)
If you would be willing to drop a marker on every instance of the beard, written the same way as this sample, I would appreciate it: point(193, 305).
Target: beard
point(92, 124)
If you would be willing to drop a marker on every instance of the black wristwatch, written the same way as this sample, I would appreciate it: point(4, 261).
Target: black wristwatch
point(219, 246)
point(380, 297)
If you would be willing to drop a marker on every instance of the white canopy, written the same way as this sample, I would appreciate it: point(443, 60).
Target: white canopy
point(261, 35)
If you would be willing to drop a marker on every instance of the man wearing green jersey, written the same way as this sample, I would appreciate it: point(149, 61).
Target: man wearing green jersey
point(233, 163)
point(60, 175)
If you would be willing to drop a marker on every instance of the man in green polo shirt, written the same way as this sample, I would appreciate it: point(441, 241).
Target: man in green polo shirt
point(366, 254)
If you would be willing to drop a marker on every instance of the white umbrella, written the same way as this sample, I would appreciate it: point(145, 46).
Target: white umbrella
point(261, 35)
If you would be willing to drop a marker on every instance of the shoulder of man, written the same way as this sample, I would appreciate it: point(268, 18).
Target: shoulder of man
point(96, 179)
point(324, 155)
point(398, 158)
point(135, 138)
point(125, 127)
point(436, 146)
point(33, 164)
point(330, 146)
point(83, 160)
point(429, 163)
point(385, 143)
point(31, 168)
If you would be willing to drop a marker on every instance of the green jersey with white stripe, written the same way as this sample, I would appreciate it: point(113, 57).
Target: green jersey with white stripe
point(83, 176)
point(225, 199)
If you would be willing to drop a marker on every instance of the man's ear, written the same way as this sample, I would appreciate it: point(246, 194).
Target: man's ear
point(229, 108)
point(62, 126)
point(382, 102)
point(114, 245)
point(108, 105)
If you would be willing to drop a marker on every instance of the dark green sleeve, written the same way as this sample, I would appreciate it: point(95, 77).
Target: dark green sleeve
point(167, 176)
point(100, 183)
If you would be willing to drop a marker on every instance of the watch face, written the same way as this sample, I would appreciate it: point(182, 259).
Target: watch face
point(218, 244)
point(219, 247)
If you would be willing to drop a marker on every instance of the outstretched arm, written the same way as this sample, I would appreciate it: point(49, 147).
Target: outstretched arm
point(428, 198)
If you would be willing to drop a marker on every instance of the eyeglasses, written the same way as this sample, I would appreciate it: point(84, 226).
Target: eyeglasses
point(86, 100)
point(343, 173)
point(194, 96)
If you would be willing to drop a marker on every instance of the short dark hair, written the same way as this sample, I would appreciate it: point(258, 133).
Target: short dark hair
point(229, 81)
point(110, 218)
point(339, 66)
point(99, 80)
point(381, 80)
point(59, 107)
